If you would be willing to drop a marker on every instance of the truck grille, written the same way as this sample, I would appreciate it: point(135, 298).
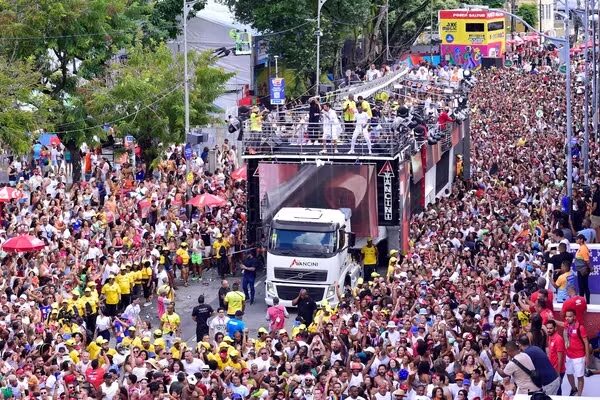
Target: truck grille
point(291, 292)
point(300, 275)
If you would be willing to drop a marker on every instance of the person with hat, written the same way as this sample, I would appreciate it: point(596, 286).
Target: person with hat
point(111, 294)
point(369, 254)
point(182, 260)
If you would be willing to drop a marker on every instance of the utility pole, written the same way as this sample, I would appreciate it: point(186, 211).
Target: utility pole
point(277, 76)
point(567, 49)
point(186, 97)
point(320, 4)
point(586, 104)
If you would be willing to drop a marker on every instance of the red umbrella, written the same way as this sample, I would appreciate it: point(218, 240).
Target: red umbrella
point(7, 194)
point(55, 140)
point(23, 244)
point(240, 174)
point(207, 200)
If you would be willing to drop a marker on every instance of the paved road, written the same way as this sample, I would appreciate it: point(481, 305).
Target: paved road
point(187, 298)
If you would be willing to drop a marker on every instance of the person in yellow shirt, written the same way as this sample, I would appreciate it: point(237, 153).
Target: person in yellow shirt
point(112, 296)
point(147, 346)
point(170, 324)
point(147, 274)
point(562, 281)
point(234, 300)
point(137, 278)
point(183, 255)
point(369, 258)
point(89, 303)
point(133, 340)
point(365, 106)
point(158, 338)
point(235, 361)
point(255, 120)
point(349, 114)
point(178, 349)
point(221, 246)
point(77, 304)
point(392, 263)
point(73, 353)
point(96, 347)
point(124, 281)
point(261, 342)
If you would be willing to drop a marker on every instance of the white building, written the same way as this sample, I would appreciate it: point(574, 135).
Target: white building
point(209, 30)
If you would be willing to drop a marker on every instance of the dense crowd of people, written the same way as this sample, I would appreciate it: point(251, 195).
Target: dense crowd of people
point(464, 314)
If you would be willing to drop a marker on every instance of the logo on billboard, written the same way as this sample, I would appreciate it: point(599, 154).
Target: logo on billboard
point(449, 38)
point(450, 27)
point(387, 173)
point(296, 263)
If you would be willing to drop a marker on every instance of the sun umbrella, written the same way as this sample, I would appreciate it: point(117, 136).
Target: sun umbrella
point(23, 244)
point(240, 174)
point(207, 200)
point(48, 139)
point(7, 194)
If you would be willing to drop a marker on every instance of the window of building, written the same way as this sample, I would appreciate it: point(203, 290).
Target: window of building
point(474, 27)
point(495, 26)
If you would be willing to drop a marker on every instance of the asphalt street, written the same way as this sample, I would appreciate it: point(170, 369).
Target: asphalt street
point(187, 298)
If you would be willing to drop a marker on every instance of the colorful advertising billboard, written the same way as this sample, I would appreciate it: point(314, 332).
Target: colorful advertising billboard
point(469, 35)
point(328, 186)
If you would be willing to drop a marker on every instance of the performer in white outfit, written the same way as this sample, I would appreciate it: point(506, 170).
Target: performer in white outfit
point(331, 127)
point(362, 126)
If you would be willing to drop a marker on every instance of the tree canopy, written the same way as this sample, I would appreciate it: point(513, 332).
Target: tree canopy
point(145, 98)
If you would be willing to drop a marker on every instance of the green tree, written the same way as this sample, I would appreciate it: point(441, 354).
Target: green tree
point(146, 97)
point(529, 13)
point(362, 23)
point(72, 42)
point(24, 109)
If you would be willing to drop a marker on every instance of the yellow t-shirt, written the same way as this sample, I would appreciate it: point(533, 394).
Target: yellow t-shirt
point(562, 280)
point(217, 246)
point(124, 282)
point(170, 323)
point(74, 355)
point(112, 293)
point(146, 273)
point(185, 256)
point(370, 255)
point(235, 301)
point(350, 110)
point(136, 342)
point(92, 301)
point(583, 253)
point(94, 350)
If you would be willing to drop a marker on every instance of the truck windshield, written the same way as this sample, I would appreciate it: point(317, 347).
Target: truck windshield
point(314, 244)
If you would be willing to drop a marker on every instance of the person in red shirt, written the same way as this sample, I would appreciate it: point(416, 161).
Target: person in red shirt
point(577, 350)
point(542, 291)
point(95, 374)
point(444, 118)
point(556, 351)
point(575, 303)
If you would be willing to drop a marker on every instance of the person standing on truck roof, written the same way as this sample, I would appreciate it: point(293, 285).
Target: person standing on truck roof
point(369, 258)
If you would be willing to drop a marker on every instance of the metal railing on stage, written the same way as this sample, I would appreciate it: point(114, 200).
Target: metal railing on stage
point(294, 136)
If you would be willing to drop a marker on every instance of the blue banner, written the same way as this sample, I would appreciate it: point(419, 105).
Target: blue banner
point(277, 91)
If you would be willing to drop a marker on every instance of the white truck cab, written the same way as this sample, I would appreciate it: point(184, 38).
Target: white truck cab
point(308, 249)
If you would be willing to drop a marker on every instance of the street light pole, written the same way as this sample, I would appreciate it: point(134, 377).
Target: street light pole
point(586, 104)
point(567, 48)
point(186, 98)
point(319, 34)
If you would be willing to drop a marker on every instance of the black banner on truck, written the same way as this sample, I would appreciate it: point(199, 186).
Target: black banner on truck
point(388, 204)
